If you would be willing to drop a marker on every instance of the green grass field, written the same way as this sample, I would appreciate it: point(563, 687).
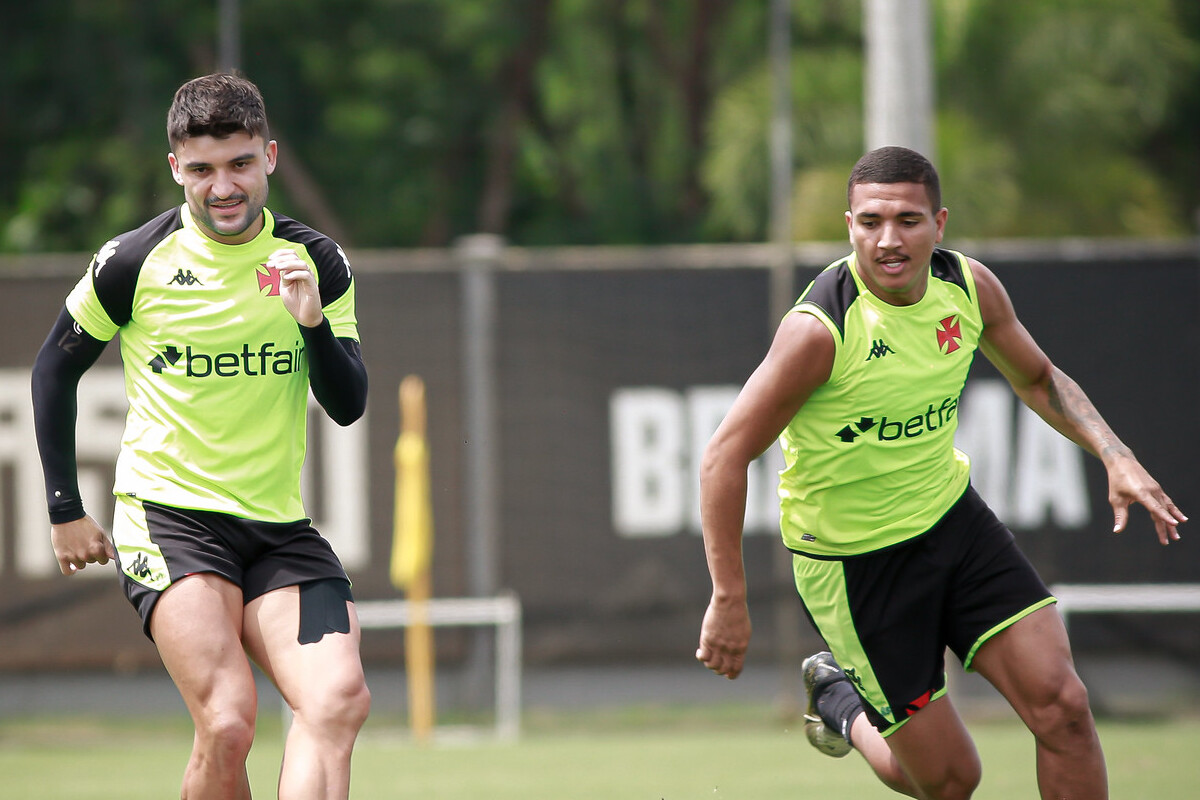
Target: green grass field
point(632, 754)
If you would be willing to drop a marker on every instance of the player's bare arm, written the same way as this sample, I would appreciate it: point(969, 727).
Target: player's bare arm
point(1062, 403)
point(297, 287)
point(800, 359)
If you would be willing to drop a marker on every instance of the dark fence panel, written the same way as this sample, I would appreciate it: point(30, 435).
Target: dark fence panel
point(609, 381)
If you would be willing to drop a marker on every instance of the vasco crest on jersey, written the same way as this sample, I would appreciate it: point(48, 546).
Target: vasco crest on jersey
point(268, 280)
point(949, 334)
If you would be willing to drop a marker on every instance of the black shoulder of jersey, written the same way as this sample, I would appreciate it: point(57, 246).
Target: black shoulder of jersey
point(945, 266)
point(833, 291)
point(333, 268)
point(116, 267)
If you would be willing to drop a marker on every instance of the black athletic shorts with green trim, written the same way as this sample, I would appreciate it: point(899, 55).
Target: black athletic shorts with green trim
point(158, 545)
point(889, 615)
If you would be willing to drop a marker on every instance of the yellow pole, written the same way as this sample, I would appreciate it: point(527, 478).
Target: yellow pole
point(412, 553)
point(418, 643)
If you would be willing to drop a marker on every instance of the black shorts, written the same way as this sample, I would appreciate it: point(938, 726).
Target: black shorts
point(888, 616)
point(158, 545)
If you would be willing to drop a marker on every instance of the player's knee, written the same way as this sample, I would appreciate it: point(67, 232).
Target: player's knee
point(953, 774)
point(347, 704)
point(1065, 714)
point(339, 705)
point(958, 791)
point(228, 734)
point(963, 780)
point(958, 784)
point(358, 705)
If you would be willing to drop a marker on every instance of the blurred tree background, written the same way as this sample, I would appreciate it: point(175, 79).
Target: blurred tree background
point(407, 123)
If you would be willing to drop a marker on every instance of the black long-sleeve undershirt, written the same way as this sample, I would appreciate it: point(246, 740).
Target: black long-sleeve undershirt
point(67, 353)
point(336, 373)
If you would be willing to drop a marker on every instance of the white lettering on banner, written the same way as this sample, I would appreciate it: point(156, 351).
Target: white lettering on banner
point(99, 422)
point(648, 472)
point(1044, 483)
point(657, 440)
point(335, 474)
point(1029, 473)
point(706, 407)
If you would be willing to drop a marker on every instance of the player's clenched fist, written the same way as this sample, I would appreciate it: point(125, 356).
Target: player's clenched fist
point(297, 287)
point(79, 543)
point(724, 637)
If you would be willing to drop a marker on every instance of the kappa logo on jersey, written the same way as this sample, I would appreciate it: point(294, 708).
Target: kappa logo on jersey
point(268, 279)
point(185, 279)
point(106, 252)
point(266, 360)
point(879, 349)
point(948, 335)
point(890, 430)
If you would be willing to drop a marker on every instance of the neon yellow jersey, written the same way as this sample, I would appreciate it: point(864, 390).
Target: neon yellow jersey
point(215, 368)
point(870, 458)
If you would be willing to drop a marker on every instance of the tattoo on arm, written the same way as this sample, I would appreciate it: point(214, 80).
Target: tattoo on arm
point(1068, 401)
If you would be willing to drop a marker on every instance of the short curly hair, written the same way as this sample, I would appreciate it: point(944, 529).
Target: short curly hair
point(217, 105)
point(896, 165)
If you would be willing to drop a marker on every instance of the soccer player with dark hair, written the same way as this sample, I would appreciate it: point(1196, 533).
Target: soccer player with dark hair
point(228, 315)
point(896, 557)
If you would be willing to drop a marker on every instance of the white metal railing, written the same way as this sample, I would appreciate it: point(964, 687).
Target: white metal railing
point(1077, 598)
point(502, 611)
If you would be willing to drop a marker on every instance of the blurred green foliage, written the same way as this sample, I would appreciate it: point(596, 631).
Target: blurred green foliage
point(408, 123)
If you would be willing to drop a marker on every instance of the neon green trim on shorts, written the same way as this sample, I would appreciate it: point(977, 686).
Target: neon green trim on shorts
point(898, 725)
point(1002, 626)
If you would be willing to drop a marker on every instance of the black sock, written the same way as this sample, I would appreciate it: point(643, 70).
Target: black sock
point(839, 705)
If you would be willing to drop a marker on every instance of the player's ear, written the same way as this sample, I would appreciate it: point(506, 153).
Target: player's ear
point(174, 162)
point(272, 155)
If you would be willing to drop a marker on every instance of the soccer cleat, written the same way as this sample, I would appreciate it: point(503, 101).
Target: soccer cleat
point(820, 672)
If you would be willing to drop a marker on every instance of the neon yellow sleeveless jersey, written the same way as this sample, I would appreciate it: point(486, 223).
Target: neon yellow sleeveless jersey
point(215, 368)
point(870, 457)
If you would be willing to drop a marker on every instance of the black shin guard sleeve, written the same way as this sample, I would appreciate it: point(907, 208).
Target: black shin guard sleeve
point(839, 705)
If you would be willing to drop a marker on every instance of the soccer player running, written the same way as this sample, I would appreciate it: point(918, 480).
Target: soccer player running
point(228, 314)
point(895, 555)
